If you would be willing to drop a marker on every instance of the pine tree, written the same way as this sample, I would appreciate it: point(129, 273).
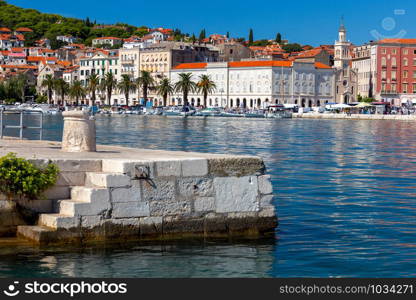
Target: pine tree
point(250, 37)
point(228, 34)
point(278, 38)
point(202, 35)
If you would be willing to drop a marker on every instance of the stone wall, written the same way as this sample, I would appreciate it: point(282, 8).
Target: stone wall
point(166, 198)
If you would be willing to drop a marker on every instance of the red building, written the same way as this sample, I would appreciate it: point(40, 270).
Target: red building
point(396, 70)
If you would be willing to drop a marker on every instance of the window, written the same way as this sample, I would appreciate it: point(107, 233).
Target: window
point(414, 88)
point(405, 51)
point(393, 62)
point(405, 74)
point(414, 51)
point(383, 62)
point(405, 62)
point(384, 51)
point(393, 87)
point(393, 75)
point(82, 72)
point(384, 75)
point(414, 74)
point(394, 51)
point(414, 62)
point(405, 86)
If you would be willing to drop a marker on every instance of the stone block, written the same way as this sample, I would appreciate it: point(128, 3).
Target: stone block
point(130, 210)
point(158, 208)
point(108, 180)
point(168, 168)
point(7, 205)
point(191, 187)
point(39, 206)
point(183, 225)
point(150, 226)
point(204, 204)
point(194, 167)
point(266, 201)
point(234, 194)
point(131, 194)
point(76, 208)
point(71, 179)
point(237, 167)
point(58, 221)
point(57, 193)
point(78, 165)
point(267, 212)
point(85, 194)
point(265, 185)
point(158, 190)
point(126, 222)
point(89, 222)
point(127, 167)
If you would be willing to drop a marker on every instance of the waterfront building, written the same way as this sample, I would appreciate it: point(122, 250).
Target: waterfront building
point(232, 51)
point(346, 77)
point(364, 64)
point(9, 41)
point(130, 61)
point(100, 63)
point(396, 71)
point(69, 39)
point(258, 84)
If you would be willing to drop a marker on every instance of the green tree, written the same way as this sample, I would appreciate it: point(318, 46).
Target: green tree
point(61, 88)
point(164, 89)
point(289, 48)
point(278, 38)
point(250, 37)
point(108, 84)
point(185, 85)
point(206, 86)
point(202, 35)
point(48, 83)
point(145, 82)
point(126, 86)
point(77, 91)
point(93, 85)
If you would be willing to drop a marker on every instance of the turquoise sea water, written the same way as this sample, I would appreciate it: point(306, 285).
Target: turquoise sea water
point(345, 197)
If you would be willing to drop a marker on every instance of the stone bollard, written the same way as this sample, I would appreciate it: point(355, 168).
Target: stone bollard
point(79, 132)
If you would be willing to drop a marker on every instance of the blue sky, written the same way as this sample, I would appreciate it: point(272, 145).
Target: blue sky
point(304, 21)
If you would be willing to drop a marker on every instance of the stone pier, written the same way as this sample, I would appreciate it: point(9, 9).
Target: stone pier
point(125, 193)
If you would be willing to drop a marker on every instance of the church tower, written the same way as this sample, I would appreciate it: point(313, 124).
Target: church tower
point(342, 48)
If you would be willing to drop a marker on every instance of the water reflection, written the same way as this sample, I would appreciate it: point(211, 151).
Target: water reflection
point(345, 194)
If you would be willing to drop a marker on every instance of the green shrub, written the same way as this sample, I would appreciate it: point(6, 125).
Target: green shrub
point(19, 178)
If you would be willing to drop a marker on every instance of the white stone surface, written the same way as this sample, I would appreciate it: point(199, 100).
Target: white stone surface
point(236, 194)
point(194, 167)
point(189, 187)
point(107, 180)
point(159, 209)
point(57, 193)
point(78, 165)
point(131, 194)
point(204, 204)
point(130, 209)
point(265, 184)
point(126, 166)
point(91, 221)
point(76, 208)
point(168, 168)
point(71, 179)
point(266, 201)
point(267, 212)
point(85, 194)
point(151, 220)
point(126, 222)
point(58, 221)
point(158, 190)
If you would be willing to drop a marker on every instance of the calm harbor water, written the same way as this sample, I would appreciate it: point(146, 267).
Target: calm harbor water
point(345, 196)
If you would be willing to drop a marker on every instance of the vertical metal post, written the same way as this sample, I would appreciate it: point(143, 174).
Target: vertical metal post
point(1, 123)
point(21, 125)
point(41, 126)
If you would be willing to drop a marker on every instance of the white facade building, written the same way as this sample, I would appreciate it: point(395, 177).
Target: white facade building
point(258, 84)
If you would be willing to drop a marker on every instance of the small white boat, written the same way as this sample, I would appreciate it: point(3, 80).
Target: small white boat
point(172, 111)
point(210, 112)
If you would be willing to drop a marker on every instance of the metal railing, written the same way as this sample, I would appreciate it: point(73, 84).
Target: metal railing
point(4, 113)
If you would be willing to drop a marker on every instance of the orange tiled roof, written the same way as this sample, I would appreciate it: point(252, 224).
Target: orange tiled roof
point(397, 41)
point(260, 63)
point(319, 65)
point(64, 63)
point(4, 29)
point(191, 66)
point(24, 29)
point(17, 49)
point(19, 67)
point(309, 53)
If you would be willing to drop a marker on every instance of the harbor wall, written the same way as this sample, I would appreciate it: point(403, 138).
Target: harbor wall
point(354, 116)
point(168, 198)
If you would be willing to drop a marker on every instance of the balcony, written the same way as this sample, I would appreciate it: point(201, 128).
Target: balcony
point(127, 61)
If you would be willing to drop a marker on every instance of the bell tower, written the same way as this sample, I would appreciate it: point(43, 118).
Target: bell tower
point(342, 48)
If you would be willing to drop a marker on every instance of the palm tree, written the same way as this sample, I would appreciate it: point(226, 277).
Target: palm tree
point(145, 81)
point(185, 85)
point(126, 85)
point(61, 88)
point(164, 89)
point(206, 86)
point(108, 84)
point(49, 82)
point(93, 84)
point(77, 91)
point(21, 85)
